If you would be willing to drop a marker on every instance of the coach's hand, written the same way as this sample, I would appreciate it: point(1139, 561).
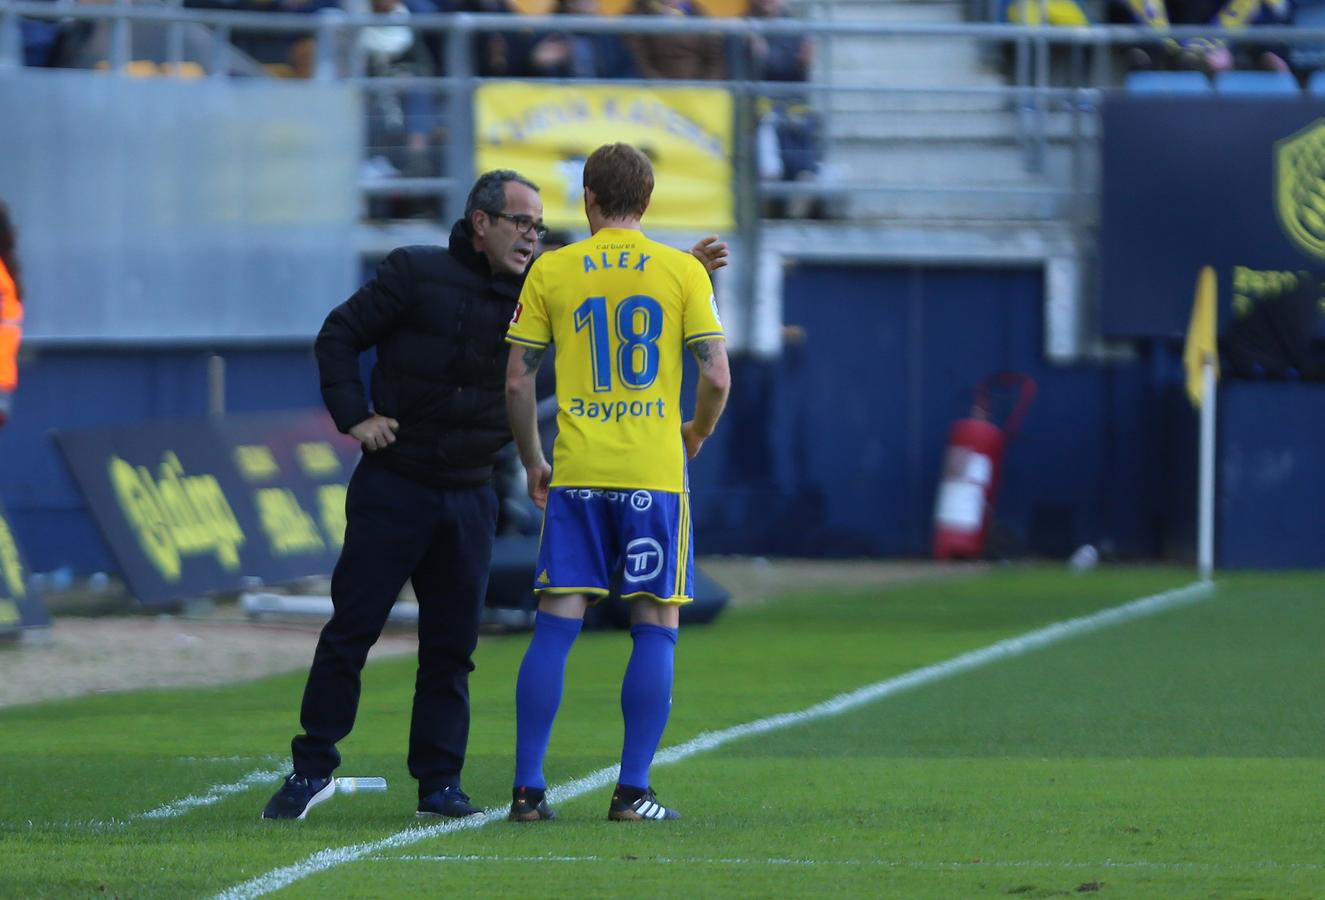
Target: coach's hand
point(711, 252)
point(375, 432)
point(692, 439)
point(538, 478)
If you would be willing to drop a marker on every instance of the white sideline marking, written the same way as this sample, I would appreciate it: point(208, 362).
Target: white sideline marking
point(1258, 865)
point(179, 807)
point(1032, 640)
point(215, 793)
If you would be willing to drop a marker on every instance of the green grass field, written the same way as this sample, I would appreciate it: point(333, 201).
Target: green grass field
point(1174, 755)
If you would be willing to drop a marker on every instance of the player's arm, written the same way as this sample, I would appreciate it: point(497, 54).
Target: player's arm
point(715, 383)
point(522, 410)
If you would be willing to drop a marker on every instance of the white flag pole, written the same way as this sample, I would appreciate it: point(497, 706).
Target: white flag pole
point(1205, 522)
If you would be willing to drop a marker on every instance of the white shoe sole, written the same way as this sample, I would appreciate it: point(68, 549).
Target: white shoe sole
point(317, 798)
point(325, 794)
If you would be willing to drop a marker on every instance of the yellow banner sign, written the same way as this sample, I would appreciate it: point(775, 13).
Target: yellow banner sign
point(545, 132)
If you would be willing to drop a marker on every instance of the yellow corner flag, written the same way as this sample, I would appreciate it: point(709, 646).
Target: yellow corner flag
point(1201, 332)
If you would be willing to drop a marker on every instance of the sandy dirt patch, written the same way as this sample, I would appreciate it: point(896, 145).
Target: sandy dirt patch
point(78, 655)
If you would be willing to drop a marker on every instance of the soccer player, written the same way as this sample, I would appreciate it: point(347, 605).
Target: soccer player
point(620, 309)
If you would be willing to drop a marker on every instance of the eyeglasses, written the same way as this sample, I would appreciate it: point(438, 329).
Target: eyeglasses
point(523, 224)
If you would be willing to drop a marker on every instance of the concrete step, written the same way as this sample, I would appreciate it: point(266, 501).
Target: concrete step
point(989, 126)
point(988, 239)
point(906, 59)
point(952, 163)
point(921, 11)
point(967, 207)
point(905, 100)
point(943, 165)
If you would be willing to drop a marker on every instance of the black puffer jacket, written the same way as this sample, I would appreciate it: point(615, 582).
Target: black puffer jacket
point(438, 319)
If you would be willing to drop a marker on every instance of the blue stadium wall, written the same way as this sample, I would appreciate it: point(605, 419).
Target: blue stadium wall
point(70, 389)
point(832, 450)
point(835, 449)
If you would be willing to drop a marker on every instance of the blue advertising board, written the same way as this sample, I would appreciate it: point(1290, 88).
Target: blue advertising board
point(196, 506)
point(1235, 183)
point(20, 604)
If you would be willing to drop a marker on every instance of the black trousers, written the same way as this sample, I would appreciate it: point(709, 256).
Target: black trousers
point(398, 529)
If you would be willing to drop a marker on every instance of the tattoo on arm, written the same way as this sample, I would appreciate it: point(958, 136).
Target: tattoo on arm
point(703, 354)
point(533, 358)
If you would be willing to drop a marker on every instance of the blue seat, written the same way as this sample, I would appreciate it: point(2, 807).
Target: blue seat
point(1256, 83)
point(1316, 82)
point(1167, 83)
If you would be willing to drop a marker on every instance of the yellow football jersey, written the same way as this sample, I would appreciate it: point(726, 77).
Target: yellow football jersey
point(620, 309)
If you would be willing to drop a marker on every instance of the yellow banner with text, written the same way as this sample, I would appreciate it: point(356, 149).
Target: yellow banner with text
point(545, 132)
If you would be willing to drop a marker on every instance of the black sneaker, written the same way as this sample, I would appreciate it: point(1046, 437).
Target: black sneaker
point(633, 805)
point(297, 796)
point(529, 805)
point(450, 802)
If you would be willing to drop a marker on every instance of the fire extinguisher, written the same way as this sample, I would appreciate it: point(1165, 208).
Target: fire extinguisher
point(972, 466)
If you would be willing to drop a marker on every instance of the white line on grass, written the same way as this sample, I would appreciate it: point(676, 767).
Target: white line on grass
point(214, 793)
point(1033, 640)
point(178, 807)
point(880, 863)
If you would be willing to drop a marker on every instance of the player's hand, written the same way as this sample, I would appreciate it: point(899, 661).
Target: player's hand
point(692, 439)
point(375, 432)
point(538, 478)
point(711, 252)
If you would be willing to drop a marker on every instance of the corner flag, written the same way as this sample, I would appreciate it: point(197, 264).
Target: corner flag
point(1201, 331)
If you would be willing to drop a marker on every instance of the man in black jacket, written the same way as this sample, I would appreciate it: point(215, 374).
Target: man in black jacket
point(420, 504)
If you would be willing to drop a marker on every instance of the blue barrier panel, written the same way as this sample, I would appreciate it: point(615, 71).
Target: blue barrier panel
point(193, 507)
point(1232, 182)
point(1269, 483)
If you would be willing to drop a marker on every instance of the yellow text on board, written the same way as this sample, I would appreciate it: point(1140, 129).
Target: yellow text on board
point(11, 570)
point(175, 515)
point(545, 132)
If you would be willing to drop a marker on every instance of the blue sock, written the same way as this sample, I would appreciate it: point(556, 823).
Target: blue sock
point(646, 700)
point(538, 694)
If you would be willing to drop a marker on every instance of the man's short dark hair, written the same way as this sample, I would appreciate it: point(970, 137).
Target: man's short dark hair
point(489, 192)
point(621, 178)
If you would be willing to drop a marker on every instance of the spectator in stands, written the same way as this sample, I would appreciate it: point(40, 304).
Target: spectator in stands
point(401, 122)
point(781, 57)
point(560, 54)
point(787, 139)
point(1280, 337)
point(11, 313)
point(37, 36)
point(496, 54)
point(697, 57)
point(1207, 55)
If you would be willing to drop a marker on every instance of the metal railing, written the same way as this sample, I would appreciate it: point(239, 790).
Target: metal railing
point(1033, 52)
